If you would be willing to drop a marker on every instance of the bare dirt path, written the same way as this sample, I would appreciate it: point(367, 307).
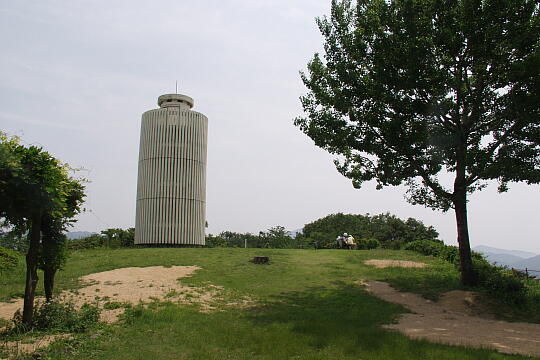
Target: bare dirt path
point(454, 320)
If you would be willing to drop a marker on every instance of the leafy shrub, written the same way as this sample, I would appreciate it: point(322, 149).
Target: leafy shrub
point(497, 281)
point(116, 237)
point(215, 241)
point(450, 254)
point(274, 238)
point(500, 282)
point(368, 244)
point(129, 239)
point(532, 290)
point(14, 241)
point(90, 242)
point(111, 238)
point(8, 259)
point(396, 244)
point(322, 240)
point(59, 316)
point(425, 247)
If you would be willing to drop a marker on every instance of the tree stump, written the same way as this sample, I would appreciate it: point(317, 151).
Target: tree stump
point(260, 260)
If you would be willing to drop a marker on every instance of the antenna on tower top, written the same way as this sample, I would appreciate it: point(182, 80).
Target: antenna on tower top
point(176, 91)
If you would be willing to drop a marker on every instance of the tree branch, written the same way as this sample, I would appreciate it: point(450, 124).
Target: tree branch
point(491, 149)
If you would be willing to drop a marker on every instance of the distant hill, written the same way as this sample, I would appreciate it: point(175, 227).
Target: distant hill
point(530, 263)
point(71, 235)
point(502, 259)
point(512, 258)
point(492, 250)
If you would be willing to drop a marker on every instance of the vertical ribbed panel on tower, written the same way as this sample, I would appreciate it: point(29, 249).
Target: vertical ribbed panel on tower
point(171, 186)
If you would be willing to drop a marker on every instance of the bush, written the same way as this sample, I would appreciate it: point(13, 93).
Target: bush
point(274, 238)
point(322, 240)
point(90, 242)
point(394, 244)
point(116, 237)
point(215, 241)
point(14, 241)
point(8, 259)
point(368, 244)
point(425, 247)
point(497, 281)
point(59, 316)
point(450, 254)
point(500, 282)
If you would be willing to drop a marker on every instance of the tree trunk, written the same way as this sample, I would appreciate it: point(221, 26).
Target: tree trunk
point(31, 269)
point(468, 275)
point(48, 280)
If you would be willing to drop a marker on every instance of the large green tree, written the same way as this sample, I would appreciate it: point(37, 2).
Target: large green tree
point(388, 229)
point(417, 91)
point(37, 195)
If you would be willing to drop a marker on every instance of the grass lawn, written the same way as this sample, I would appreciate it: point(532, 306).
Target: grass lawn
point(308, 306)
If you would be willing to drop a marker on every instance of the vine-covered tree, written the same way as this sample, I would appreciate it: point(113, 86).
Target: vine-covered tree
point(410, 90)
point(36, 195)
point(53, 251)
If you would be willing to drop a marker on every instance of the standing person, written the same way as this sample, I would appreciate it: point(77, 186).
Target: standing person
point(350, 242)
point(341, 241)
point(344, 238)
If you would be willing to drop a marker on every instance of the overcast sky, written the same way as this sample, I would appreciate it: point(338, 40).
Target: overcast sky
point(75, 77)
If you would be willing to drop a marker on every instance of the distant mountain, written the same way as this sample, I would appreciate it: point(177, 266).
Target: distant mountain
point(530, 263)
point(78, 234)
point(512, 258)
point(492, 250)
point(502, 259)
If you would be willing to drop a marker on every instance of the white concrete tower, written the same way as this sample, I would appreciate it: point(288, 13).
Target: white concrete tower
point(171, 185)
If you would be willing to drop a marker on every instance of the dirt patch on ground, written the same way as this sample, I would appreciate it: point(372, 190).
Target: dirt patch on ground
point(458, 319)
point(115, 289)
point(131, 286)
point(394, 263)
point(134, 285)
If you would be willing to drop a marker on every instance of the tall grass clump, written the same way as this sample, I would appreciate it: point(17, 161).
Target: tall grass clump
point(56, 316)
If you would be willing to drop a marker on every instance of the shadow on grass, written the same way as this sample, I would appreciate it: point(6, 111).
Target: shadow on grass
point(347, 320)
point(344, 315)
point(424, 282)
point(321, 323)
